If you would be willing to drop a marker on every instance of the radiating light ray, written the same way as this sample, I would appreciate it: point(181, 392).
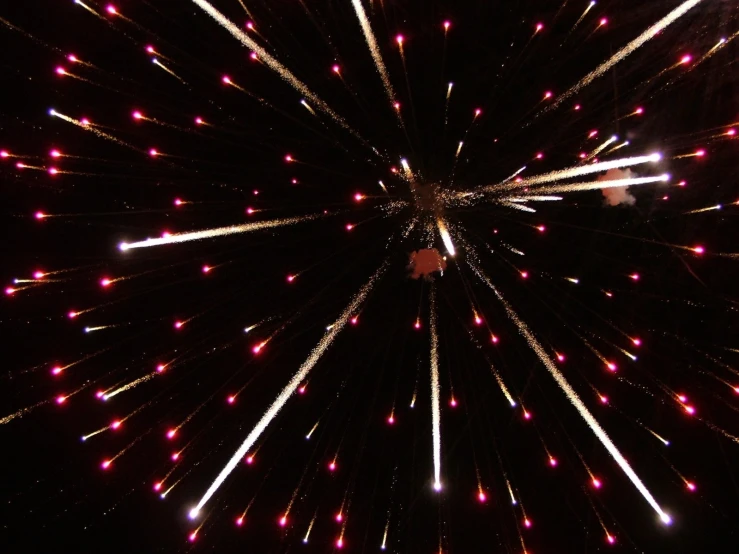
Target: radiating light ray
point(445, 236)
point(573, 396)
point(89, 9)
point(512, 175)
point(701, 210)
point(21, 412)
point(273, 64)
point(600, 148)
point(598, 185)
point(156, 62)
point(93, 129)
point(310, 526)
point(532, 198)
point(217, 232)
point(128, 386)
point(291, 387)
point(519, 207)
point(315, 426)
point(647, 35)
point(435, 394)
point(374, 49)
point(576, 171)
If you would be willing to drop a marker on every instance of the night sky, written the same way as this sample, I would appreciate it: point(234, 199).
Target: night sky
point(633, 298)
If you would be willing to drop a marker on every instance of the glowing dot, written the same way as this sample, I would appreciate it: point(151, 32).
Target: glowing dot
point(239, 521)
point(339, 517)
point(253, 56)
point(359, 197)
point(105, 282)
point(481, 496)
point(340, 543)
point(391, 419)
point(634, 276)
point(700, 153)
point(636, 341)
point(301, 390)
point(20, 165)
point(175, 456)
point(603, 21)
point(85, 121)
point(691, 486)
point(157, 486)
point(116, 424)
point(560, 357)
point(178, 202)
point(336, 69)
point(417, 324)
point(547, 95)
point(72, 315)
point(478, 111)
point(396, 105)
point(437, 486)
point(193, 536)
point(453, 402)
point(283, 521)
point(682, 398)
point(231, 399)
point(494, 339)
point(526, 415)
point(539, 27)
point(199, 121)
point(250, 25)
point(611, 539)
point(399, 40)
point(349, 227)
point(178, 324)
point(60, 71)
point(593, 133)
point(354, 320)
point(160, 368)
point(288, 158)
point(105, 464)
point(525, 274)
point(56, 370)
point(611, 366)
point(639, 111)
point(290, 278)
point(539, 156)
point(447, 24)
point(250, 460)
point(249, 211)
point(137, 115)
point(332, 466)
point(9, 291)
point(38, 275)
point(687, 58)
point(553, 462)
point(596, 483)
point(478, 320)
point(527, 523)
point(541, 228)
point(690, 410)
point(171, 433)
point(61, 399)
point(731, 132)
point(153, 153)
point(4, 154)
point(226, 80)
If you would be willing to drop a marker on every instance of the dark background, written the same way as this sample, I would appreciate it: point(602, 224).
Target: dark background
point(684, 307)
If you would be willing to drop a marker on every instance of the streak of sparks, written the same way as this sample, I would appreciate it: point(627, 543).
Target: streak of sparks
point(374, 49)
point(435, 394)
point(217, 232)
point(290, 388)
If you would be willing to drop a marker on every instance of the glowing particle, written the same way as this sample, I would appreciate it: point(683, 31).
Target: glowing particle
point(596, 483)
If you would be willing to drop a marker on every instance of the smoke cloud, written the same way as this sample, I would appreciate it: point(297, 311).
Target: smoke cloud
point(616, 196)
point(426, 261)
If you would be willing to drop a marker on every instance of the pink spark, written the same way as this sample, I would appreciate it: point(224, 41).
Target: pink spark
point(199, 121)
point(731, 132)
point(150, 49)
point(596, 483)
point(547, 95)
point(354, 320)
point(527, 523)
point(603, 399)
point(116, 424)
point(105, 464)
point(250, 460)
point(111, 9)
point(160, 368)
point(175, 456)
point(288, 158)
point(153, 152)
point(61, 399)
point(526, 415)
point(290, 278)
point(700, 153)
point(254, 56)
point(239, 521)
point(593, 133)
point(478, 111)
point(525, 274)
point(178, 324)
point(55, 154)
point(283, 521)
point(447, 24)
point(399, 39)
point(539, 27)
point(231, 399)
point(332, 466)
point(340, 542)
point(60, 71)
point(137, 115)
point(634, 276)
point(391, 419)
point(85, 121)
point(171, 433)
point(553, 461)
point(690, 409)
point(682, 398)
point(699, 249)
point(206, 269)
point(602, 22)
point(417, 324)
point(105, 282)
point(56, 370)
point(539, 156)
point(396, 105)
point(250, 25)
point(38, 275)
point(301, 390)
point(226, 80)
point(339, 517)
point(99, 394)
point(249, 211)
point(453, 402)
point(639, 111)
point(349, 227)
point(481, 496)
point(359, 197)
point(560, 357)
point(193, 536)
point(687, 58)
point(157, 486)
point(336, 69)
point(611, 366)
point(541, 228)
point(258, 348)
point(636, 341)
point(691, 486)
point(72, 58)
point(494, 339)
point(53, 171)
point(72, 315)
point(611, 539)
point(478, 320)
point(4, 154)
point(178, 202)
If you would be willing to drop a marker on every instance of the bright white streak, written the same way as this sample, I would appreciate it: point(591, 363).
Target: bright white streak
point(600, 148)
point(647, 35)
point(217, 232)
point(446, 237)
point(512, 175)
point(374, 49)
point(575, 172)
point(272, 63)
point(532, 198)
point(596, 185)
point(574, 398)
point(503, 388)
point(128, 386)
point(435, 395)
point(290, 388)
point(520, 207)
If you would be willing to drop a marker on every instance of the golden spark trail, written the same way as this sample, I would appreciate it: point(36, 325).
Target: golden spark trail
point(21, 412)
point(124, 388)
point(168, 70)
point(435, 394)
point(520, 207)
point(600, 148)
point(273, 64)
point(445, 237)
point(573, 397)
point(701, 210)
point(374, 49)
point(310, 526)
point(532, 198)
point(92, 129)
point(574, 172)
point(290, 388)
point(596, 185)
point(647, 35)
point(217, 232)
